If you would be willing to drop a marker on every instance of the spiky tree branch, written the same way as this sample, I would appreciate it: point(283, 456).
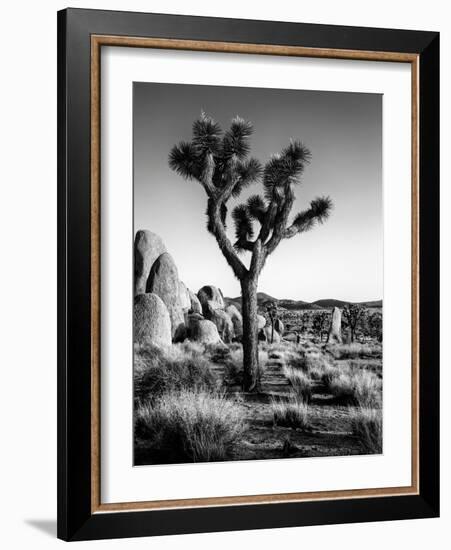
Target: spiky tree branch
point(219, 161)
point(318, 212)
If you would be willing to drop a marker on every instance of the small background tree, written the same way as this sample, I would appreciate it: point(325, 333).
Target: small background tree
point(220, 162)
point(353, 314)
point(303, 322)
point(374, 324)
point(321, 321)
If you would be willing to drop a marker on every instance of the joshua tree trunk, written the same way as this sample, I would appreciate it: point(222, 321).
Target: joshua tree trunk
point(251, 380)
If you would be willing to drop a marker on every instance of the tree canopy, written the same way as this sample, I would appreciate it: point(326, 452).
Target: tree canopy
point(220, 162)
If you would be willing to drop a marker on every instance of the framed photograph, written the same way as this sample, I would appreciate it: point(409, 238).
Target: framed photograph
point(248, 274)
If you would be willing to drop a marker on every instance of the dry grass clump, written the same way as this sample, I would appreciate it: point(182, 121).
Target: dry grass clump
point(158, 371)
point(293, 413)
point(359, 387)
point(189, 426)
point(366, 424)
point(300, 382)
point(319, 367)
point(310, 347)
point(341, 386)
point(367, 389)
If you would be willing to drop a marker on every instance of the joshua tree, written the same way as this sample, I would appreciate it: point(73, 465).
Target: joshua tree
point(374, 325)
point(353, 315)
point(320, 322)
point(304, 322)
point(220, 162)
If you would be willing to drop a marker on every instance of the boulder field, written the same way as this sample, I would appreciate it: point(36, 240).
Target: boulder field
point(166, 310)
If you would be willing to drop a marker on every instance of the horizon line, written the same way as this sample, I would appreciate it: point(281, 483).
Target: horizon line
point(312, 301)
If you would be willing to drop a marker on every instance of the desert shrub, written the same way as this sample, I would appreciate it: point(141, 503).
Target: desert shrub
point(282, 347)
point(143, 356)
point(236, 356)
point(355, 350)
point(301, 383)
point(157, 371)
point(189, 426)
point(189, 347)
point(323, 371)
point(328, 374)
point(297, 361)
point(366, 424)
point(309, 361)
point(341, 386)
point(321, 368)
point(293, 413)
point(217, 353)
point(284, 357)
point(234, 364)
point(367, 364)
point(234, 346)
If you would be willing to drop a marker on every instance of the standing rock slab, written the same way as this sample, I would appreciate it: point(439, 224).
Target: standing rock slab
point(164, 282)
point(210, 298)
point(237, 320)
point(204, 332)
point(151, 321)
point(261, 321)
point(335, 327)
point(278, 325)
point(196, 306)
point(148, 247)
point(268, 333)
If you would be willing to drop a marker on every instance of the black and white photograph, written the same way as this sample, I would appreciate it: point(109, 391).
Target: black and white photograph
point(257, 273)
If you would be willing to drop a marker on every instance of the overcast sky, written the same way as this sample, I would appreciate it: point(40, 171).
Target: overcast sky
point(341, 259)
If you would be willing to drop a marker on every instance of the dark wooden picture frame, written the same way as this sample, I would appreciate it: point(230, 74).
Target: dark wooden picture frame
point(81, 34)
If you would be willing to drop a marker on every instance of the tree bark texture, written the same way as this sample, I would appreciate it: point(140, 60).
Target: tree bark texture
point(251, 378)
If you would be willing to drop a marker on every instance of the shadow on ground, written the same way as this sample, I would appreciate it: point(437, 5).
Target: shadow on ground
point(46, 526)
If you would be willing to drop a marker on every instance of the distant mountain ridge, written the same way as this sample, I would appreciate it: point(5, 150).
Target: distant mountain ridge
point(286, 303)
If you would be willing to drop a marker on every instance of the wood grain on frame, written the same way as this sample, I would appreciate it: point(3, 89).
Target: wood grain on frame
point(97, 41)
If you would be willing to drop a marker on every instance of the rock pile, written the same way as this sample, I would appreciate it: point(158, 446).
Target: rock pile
point(166, 311)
